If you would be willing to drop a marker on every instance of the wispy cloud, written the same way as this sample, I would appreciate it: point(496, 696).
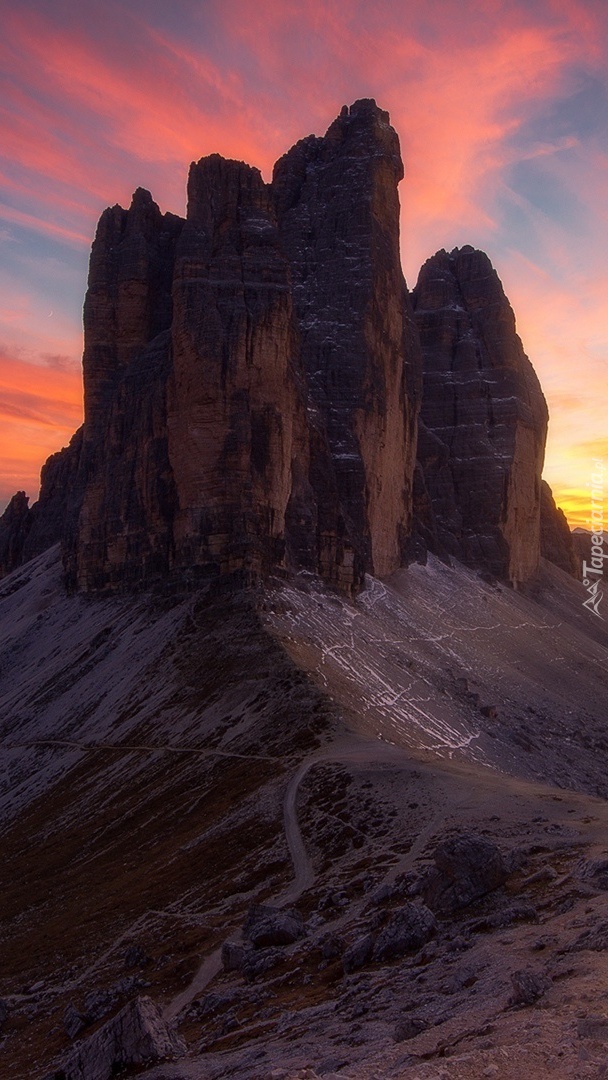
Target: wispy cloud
point(40, 225)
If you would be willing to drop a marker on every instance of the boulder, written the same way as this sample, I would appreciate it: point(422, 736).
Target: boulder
point(358, 954)
point(98, 1003)
point(466, 868)
point(407, 930)
point(233, 955)
point(73, 1021)
point(528, 987)
point(268, 926)
point(137, 1035)
point(594, 872)
point(332, 947)
point(409, 1027)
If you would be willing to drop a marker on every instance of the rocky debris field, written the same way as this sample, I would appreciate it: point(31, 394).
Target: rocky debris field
point(215, 867)
point(476, 957)
point(465, 952)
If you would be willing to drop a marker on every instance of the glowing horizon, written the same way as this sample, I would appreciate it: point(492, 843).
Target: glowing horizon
point(501, 115)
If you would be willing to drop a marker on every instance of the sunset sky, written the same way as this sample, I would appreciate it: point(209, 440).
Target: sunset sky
point(502, 112)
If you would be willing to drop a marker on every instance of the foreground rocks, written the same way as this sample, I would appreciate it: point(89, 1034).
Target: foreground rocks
point(466, 868)
point(267, 926)
point(388, 979)
point(137, 1035)
point(409, 928)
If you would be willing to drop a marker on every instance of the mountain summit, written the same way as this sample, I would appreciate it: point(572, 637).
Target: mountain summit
point(253, 379)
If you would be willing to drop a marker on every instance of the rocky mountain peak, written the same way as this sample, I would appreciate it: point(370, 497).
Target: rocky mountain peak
point(219, 189)
point(365, 130)
point(483, 419)
point(253, 378)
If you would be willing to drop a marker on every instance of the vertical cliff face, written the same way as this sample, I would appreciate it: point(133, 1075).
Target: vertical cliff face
point(60, 498)
point(128, 300)
point(15, 525)
point(251, 375)
point(122, 531)
point(232, 398)
point(28, 531)
point(484, 417)
point(338, 211)
point(122, 534)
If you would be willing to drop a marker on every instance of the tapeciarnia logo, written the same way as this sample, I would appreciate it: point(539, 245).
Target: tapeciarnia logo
point(593, 572)
point(594, 600)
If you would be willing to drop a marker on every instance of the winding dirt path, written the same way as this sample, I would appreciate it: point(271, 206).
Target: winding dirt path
point(352, 750)
point(210, 967)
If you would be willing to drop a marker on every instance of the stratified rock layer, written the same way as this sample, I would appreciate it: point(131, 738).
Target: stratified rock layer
point(128, 300)
point(484, 418)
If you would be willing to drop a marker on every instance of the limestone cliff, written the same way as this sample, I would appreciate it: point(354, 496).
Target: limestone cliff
point(128, 300)
point(338, 210)
point(121, 532)
point(233, 395)
point(26, 532)
point(252, 382)
point(484, 418)
point(14, 528)
point(251, 377)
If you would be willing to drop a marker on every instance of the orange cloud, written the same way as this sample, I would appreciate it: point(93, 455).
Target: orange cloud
point(40, 408)
point(576, 506)
point(455, 99)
